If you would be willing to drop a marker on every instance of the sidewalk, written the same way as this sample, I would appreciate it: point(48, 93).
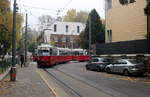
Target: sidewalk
point(28, 84)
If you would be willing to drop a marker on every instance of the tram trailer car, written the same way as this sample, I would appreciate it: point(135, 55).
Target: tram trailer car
point(63, 55)
point(80, 55)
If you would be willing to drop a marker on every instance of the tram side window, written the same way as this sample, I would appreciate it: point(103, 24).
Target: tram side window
point(64, 53)
point(68, 53)
point(54, 52)
point(80, 53)
point(76, 53)
point(51, 51)
point(61, 53)
point(72, 53)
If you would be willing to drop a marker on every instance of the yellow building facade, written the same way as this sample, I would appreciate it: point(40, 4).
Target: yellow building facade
point(125, 22)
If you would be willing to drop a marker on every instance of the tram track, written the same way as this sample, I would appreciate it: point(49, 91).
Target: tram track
point(75, 92)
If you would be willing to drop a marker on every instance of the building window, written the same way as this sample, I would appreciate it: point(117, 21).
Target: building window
point(78, 29)
point(132, 1)
point(64, 39)
point(148, 1)
point(55, 39)
point(52, 39)
point(67, 39)
point(108, 4)
point(125, 2)
point(59, 39)
point(55, 28)
point(67, 28)
point(109, 35)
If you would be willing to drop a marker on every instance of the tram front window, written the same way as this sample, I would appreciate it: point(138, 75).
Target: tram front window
point(44, 53)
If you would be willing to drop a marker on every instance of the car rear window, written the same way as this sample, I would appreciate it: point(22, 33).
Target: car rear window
point(95, 60)
point(133, 61)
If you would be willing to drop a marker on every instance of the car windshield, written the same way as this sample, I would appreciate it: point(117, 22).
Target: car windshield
point(43, 52)
point(97, 60)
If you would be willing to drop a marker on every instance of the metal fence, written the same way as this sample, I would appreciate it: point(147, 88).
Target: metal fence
point(127, 47)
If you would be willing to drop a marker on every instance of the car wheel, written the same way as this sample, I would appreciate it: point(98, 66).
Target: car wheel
point(87, 68)
point(39, 66)
point(108, 70)
point(126, 72)
point(98, 69)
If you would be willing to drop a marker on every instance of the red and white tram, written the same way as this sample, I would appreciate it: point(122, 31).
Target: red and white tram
point(46, 55)
point(49, 55)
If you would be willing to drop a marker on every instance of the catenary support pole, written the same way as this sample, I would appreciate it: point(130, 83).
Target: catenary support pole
point(13, 68)
point(90, 35)
point(26, 31)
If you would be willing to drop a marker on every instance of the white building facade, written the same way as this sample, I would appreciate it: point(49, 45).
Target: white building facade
point(63, 30)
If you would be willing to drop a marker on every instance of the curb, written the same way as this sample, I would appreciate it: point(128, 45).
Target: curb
point(2, 76)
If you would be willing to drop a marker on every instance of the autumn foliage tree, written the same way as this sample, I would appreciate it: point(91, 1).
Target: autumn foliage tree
point(71, 15)
point(74, 16)
point(6, 26)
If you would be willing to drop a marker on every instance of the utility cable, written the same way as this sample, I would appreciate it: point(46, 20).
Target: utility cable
point(66, 5)
point(22, 5)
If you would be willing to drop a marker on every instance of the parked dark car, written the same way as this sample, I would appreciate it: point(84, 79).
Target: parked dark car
point(126, 67)
point(97, 64)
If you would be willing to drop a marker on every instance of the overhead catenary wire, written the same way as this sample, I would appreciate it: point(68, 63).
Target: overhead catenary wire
point(46, 9)
point(66, 5)
point(41, 8)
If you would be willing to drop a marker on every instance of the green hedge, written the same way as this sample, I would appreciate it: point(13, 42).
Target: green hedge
point(4, 65)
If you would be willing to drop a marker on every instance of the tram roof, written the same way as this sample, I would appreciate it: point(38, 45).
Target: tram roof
point(45, 46)
point(66, 49)
point(78, 49)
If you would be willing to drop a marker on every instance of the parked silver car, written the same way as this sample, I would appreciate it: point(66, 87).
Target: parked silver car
point(97, 64)
point(126, 67)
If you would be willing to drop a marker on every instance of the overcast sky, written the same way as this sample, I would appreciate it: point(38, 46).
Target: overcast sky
point(36, 8)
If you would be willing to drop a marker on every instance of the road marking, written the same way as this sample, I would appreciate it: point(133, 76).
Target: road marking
point(49, 86)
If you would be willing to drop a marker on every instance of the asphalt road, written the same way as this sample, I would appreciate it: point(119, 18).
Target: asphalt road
point(78, 82)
